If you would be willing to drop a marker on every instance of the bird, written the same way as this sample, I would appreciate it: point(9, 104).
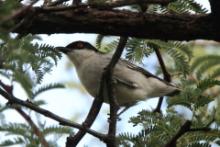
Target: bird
point(131, 83)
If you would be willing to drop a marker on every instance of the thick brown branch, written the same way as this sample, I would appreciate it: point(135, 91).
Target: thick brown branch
point(122, 23)
point(49, 114)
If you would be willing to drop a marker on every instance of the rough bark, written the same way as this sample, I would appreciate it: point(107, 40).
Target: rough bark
point(120, 23)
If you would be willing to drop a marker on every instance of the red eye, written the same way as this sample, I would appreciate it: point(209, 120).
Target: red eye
point(80, 45)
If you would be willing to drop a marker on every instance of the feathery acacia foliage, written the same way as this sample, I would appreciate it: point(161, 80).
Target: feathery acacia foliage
point(26, 62)
point(196, 78)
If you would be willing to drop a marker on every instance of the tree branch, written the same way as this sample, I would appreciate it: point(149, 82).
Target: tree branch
point(49, 114)
point(93, 112)
point(118, 22)
point(111, 140)
point(36, 130)
point(185, 128)
point(166, 77)
point(215, 5)
point(96, 106)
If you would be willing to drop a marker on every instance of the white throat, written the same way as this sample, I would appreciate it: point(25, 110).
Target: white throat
point(78, 56)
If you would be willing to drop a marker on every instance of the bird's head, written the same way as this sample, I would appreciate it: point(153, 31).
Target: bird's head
point(77, 45)
point(78, 51)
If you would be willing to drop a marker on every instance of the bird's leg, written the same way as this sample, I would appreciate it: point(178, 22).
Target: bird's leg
point(123, 110)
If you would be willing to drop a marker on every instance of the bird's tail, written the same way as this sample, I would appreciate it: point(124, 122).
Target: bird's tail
point(176, 90)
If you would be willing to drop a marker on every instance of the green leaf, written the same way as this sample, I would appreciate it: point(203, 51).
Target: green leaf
point(46, 88)
point(186, 6)
point(51, 130)
point(25, 81)
point(137, 49)
point(14, 141)
point(207, 83)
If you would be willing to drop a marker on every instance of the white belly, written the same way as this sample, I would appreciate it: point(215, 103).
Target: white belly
point(146, 87)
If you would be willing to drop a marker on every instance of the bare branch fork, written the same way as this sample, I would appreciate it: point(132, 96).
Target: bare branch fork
point(13, 100)
point(166, 76)
point(35, 128)
point(105, 86)
point(186, 127)
point(188, 27)
point(111, 142)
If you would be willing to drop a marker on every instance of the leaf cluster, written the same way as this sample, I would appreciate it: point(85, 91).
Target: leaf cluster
point(24, 135)
point(26, 62)
point(197, 77)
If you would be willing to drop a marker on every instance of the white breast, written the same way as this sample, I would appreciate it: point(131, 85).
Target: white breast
point(90, 66)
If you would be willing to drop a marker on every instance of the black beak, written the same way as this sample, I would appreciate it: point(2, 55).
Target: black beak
point(63, 49)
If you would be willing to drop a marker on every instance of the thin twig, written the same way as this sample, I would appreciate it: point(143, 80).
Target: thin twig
point(36, 130)
point(185, 128)
point(96, 106)
point(12, 99)
point(166, 76)
point(205, 128)
point(93, 112)
point(111, 142)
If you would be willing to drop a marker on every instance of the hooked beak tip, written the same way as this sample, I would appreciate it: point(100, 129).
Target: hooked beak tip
point(62, 49)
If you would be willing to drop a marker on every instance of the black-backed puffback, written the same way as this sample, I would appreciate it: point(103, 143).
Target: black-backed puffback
point(131, 83)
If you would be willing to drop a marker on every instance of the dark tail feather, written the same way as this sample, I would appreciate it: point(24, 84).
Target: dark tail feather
point(175, 92)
